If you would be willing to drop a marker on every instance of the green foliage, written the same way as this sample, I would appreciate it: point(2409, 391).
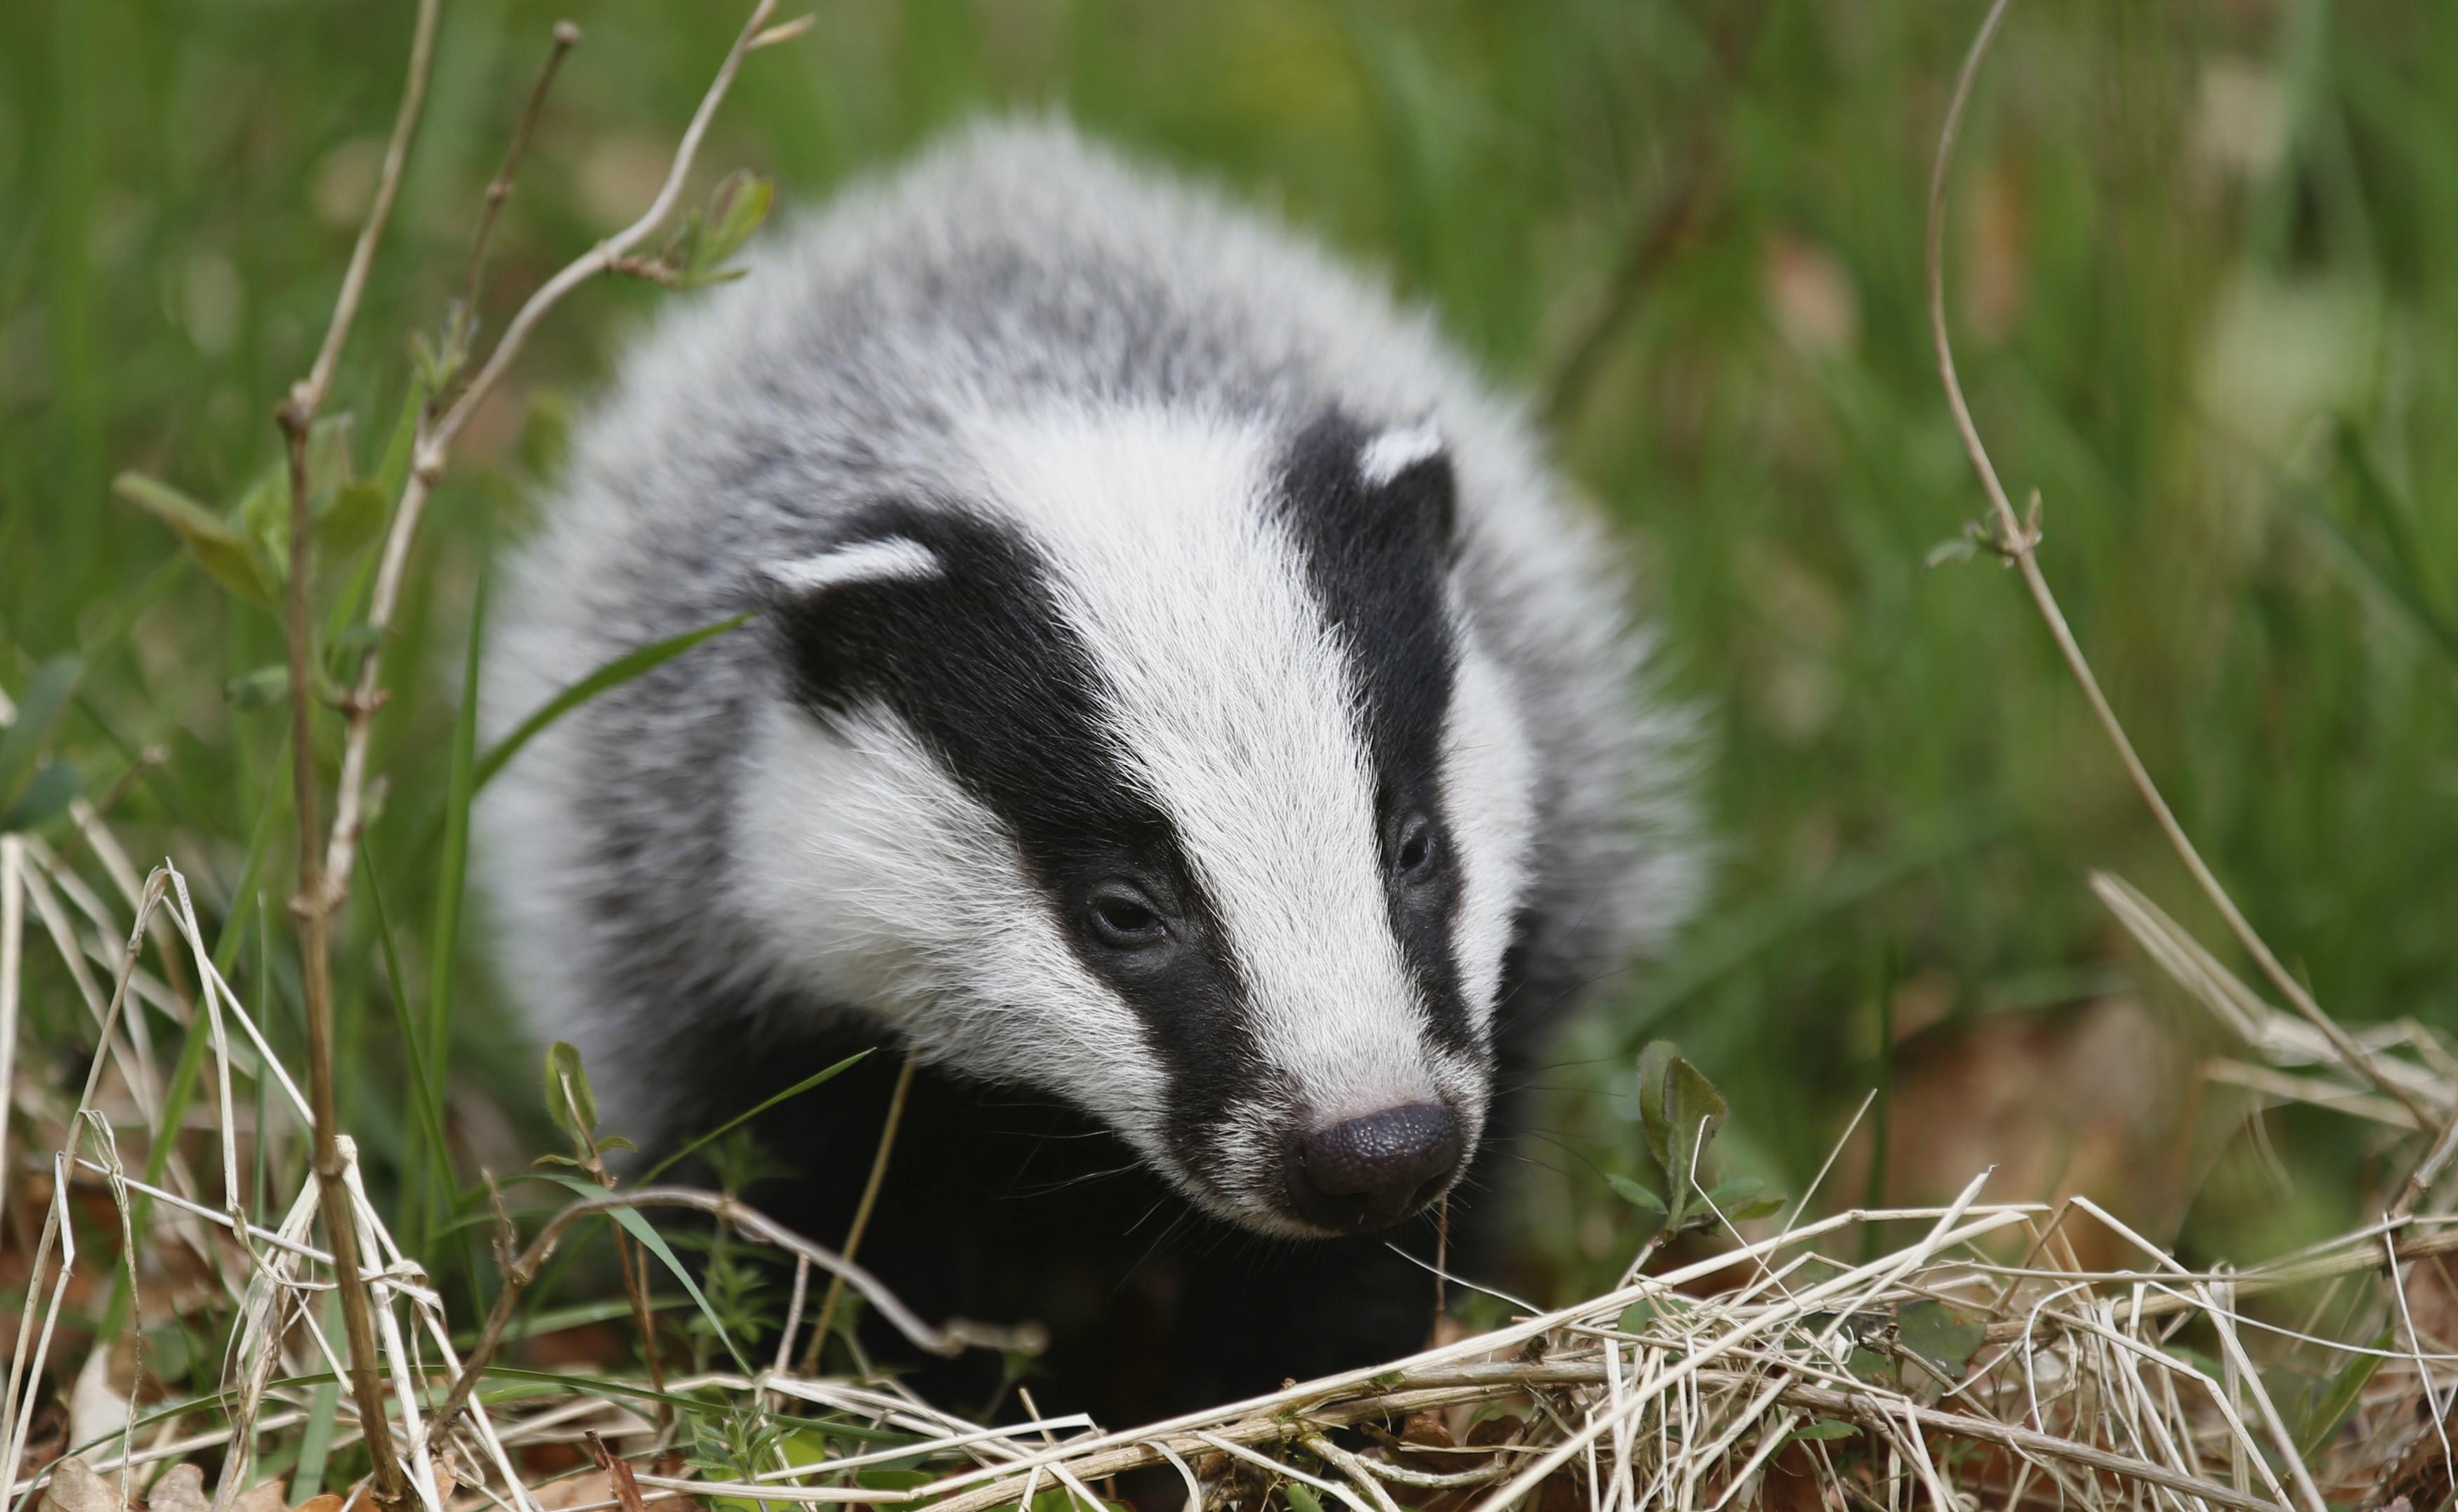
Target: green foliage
point(1681, 1112)
point(2228, 375)
point(1943, 1339)
point(571, 1103)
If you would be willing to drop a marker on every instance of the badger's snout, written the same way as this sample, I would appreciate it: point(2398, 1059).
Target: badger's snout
point(1370, 1173)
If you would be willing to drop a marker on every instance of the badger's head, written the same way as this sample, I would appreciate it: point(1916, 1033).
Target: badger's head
point(1158, 766)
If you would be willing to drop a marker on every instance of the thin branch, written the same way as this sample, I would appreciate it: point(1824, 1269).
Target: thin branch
point(567, 37)
point(307, 396)
point(862, 1210)
point(312, 906)
point(2016, 540)
point(434, 444)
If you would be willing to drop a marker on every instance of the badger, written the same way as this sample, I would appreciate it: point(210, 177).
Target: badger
point(1183, 711)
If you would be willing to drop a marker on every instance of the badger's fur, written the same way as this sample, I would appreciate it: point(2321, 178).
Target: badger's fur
point(1185, 699)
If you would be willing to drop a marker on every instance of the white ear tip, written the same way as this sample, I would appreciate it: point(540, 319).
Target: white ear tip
point(1396, 450)
point(893, 559)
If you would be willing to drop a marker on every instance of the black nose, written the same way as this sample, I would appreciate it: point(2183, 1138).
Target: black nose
point(1372, 1171)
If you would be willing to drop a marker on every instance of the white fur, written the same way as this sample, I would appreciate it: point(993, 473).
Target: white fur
point(1489, 778)
point(879, 881)
point(1396, 450)
point(863, 562)
point(1234, 700)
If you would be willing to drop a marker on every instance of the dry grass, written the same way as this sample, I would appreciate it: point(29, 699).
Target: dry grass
point(1976, 1365)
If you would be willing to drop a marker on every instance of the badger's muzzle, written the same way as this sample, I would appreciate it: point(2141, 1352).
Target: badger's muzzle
point(1370, 1173)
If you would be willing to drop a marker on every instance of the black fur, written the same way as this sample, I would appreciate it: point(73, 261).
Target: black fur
point(1378, 560)
point(978, 660)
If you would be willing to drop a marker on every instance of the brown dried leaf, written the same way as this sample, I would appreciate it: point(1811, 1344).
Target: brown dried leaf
point(264, 1497)
point(76, 1488)
point(322, 1502)
point(181, 1489)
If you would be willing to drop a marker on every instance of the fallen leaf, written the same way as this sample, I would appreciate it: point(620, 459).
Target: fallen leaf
point(265, 1497)
point(322, 1502)
point(181, 1489)
point(98, 1401)
point(76, 1488)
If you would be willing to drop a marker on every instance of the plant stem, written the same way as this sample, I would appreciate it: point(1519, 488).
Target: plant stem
point(862, 1213)
point(312, 907)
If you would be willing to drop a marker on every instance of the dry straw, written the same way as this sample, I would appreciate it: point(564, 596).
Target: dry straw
point(1979, 1365)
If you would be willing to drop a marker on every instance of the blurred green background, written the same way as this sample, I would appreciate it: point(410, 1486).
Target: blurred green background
point(2204, 282)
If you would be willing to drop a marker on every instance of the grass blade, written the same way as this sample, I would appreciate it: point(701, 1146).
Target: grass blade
point(740, 1119)
point(453, 873)
point(639, 1228)
point(613, 674)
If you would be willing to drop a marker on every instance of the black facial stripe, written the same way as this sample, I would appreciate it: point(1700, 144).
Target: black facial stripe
point(979, 662)
point(1377, 559)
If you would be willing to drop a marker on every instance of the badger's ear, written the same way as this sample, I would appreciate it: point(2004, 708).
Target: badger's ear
point(841, 617)
point(1407, 470)
point(888, 559)
point(1364, 493)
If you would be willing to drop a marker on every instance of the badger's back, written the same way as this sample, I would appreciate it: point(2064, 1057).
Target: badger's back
point(1014, 269)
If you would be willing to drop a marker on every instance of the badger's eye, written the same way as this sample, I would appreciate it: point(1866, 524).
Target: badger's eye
point(1122, 919)
point(1413, 857)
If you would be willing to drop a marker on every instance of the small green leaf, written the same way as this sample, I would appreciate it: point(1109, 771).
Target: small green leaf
point(1953, 549)
point(1655, 1068)
point(569, 1101)
point(1870, 1365)
point(1943, 1337)
point(44, 797)
point(1694, 1112)
point(1825, 1429)
point(260, 688)
point(1637, 1194)
point(264, 523)
point(2323, 1412)
point(1744, 1197)
point(1302, 1497)
point(217, 545)
point(328, 456)
point(734, 210)
point(350, 521)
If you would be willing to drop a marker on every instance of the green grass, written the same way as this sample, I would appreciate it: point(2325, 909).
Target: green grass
point(2231, 368)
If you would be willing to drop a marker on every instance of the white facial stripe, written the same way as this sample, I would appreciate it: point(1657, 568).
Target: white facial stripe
point(864, 562)
point(1489, 778)
point(1234, 699)
point(879, 881)
point(1395, 451)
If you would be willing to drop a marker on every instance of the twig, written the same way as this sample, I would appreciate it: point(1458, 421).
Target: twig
point(567, 37)
point(862, 1211)
point(2017, 540)
point(618, 1475)
point(312, 905)
point(307, 396)
point(434, 444)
